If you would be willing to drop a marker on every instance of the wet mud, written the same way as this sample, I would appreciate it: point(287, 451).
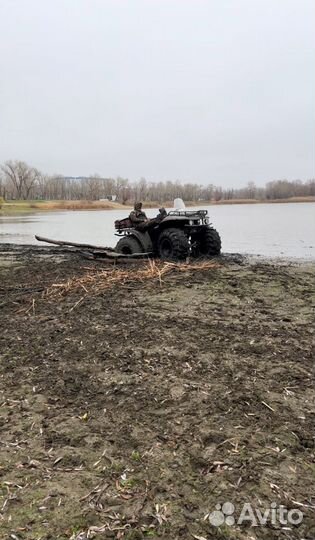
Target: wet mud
point(131, 412)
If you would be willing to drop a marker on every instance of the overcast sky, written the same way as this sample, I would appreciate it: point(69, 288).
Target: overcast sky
point(219, 91)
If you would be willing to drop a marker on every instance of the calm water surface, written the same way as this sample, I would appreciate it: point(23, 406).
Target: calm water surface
point(286, 230)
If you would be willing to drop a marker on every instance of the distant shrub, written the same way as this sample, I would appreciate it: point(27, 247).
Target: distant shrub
point(1, 202)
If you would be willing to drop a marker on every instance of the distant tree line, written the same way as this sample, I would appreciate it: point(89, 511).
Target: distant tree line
point(21, 181)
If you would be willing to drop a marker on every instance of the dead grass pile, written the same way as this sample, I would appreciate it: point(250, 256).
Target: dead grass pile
point(95, 281)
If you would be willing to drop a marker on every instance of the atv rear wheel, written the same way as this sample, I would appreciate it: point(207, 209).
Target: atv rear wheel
point(173, 245)
point(128, 245)
point(209, 242)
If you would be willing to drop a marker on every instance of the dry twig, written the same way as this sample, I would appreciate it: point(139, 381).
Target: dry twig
point(95, 281)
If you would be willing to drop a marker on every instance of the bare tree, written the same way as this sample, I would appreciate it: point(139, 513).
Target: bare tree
point(94, 187)
point(22, 176)
point(2, 186)
point(122, 189)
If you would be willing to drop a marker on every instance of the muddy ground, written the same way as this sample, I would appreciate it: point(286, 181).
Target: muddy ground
point(133, 411)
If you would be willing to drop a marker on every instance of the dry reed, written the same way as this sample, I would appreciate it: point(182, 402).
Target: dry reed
point(95, 281)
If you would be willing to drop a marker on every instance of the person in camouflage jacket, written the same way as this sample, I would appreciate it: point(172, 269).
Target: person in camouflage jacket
point(137, 215)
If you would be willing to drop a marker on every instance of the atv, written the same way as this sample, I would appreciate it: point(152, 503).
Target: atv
point(178, 235)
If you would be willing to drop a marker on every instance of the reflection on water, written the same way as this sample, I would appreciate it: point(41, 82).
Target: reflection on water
point(285, 230)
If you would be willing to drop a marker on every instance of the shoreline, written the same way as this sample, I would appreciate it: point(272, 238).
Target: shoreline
point(13, 208)
point(9, 249)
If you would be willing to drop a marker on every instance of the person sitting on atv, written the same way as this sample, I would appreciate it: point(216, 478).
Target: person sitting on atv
point(137, 216)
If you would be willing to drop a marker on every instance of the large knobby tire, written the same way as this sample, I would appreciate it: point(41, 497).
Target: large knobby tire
point(173, 245)
point(209, 243)
point(128, 245)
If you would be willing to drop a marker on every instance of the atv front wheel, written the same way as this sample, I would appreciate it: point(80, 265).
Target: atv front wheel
point(128, 245)
point(209, 242)
point(173, 245)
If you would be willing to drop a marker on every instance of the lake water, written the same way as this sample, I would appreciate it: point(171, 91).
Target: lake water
point(285, 230)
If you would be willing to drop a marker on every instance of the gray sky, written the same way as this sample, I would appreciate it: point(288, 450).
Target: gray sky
point(218, 91)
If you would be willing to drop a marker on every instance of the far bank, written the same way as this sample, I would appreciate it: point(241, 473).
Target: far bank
point(17, 207)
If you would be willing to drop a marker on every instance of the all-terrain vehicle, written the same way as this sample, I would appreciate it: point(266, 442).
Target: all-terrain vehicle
point(179, 234)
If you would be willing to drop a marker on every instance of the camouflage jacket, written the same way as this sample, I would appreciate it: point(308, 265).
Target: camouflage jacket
point(137, 216)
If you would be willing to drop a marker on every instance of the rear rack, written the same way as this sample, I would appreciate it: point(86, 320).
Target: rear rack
point(122, 224)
